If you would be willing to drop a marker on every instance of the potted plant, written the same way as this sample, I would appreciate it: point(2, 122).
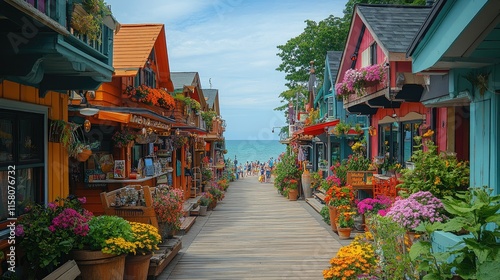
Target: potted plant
point(146, 239)
point(204, 202)
point(48, 233)
point(345, 221)
point(168, 206)
point(106, 245)
point(123, 138)
point(373, 206)
point(336, 197)
point(292, 189)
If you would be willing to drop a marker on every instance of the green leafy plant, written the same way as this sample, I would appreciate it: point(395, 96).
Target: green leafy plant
point(392, 247)
point(104, 231)
point(89, 23)
point(477, 256)
point(325, 214)
point(208, 117)
point(441, 174)
point(341, 128)
point(286, 169)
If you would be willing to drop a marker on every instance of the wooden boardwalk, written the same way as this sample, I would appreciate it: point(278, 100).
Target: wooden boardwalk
point(255, 233)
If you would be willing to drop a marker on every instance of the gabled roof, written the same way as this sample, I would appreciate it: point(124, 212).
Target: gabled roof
point(210, 95)
point(181, 79)
point(133, 44)
point(333, 59)
point(394, 26)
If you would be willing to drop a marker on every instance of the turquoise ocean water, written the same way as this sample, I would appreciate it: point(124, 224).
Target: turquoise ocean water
point(253, 150)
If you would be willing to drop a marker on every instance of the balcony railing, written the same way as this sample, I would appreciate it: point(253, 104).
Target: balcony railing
point(61, 12)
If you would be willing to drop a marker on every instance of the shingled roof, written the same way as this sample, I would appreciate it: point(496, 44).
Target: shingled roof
point(181, 79)
point(210, 95)
point(334, 58)
point(394, 26)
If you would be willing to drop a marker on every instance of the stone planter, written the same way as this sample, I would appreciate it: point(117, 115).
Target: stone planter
point(203, 210)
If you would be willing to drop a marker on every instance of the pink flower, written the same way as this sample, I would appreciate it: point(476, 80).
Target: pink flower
point(82, 200)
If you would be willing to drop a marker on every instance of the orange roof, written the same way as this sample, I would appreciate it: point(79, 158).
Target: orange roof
point(132, 45)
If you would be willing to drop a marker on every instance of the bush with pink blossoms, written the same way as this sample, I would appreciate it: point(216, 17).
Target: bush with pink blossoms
point(419, 207)
point(374, 205)
point(48, 233)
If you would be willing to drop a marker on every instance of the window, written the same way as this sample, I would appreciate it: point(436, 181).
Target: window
point(21, 145)
point(373, 53)
point(330, 106)
point(397, 140)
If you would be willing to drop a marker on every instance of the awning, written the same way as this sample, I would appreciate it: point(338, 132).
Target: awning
point(318, 129)
point(113, 116)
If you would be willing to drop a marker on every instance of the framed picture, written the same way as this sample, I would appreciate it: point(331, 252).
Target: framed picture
point(119, 170)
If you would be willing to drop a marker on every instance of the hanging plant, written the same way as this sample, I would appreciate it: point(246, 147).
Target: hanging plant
point(478, 80)
point(87, 18)
point(208, 117)
point(178, 141)
point(122, 138)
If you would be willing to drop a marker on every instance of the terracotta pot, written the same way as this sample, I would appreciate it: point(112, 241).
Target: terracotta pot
point(97, 265)
point(293, 194)
point(344, 233)
point(137, 267)
point(333, 217)
point(84, 155)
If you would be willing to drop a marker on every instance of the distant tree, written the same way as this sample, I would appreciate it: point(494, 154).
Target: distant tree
point(312, 44)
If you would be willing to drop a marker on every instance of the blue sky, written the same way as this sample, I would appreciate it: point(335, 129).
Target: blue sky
point(233, 44)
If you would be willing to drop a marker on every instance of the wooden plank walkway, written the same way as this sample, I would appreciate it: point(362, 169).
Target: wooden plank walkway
point(255, 233)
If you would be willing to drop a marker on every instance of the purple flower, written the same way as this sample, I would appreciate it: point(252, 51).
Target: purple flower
point(82, 200)
point(419, 207)
point(19, 231)
point(52, 206)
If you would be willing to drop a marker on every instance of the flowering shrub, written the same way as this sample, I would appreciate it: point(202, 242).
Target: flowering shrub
point(338, 196)
point(357, 258)
point(168, 207)
point(374, 205)
point(146, 238)
point(418, 207)
point(223, 184)
point(440, 174)
point(47, 234)
point(118, 246)
point(356, 80)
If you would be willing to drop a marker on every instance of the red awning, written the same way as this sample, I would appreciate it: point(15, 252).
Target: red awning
point(318, 129)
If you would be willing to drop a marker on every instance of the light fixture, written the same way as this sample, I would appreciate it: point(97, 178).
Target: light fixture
point(177, 131)
point(87, 125)
point(354, 56)
point(87, 111)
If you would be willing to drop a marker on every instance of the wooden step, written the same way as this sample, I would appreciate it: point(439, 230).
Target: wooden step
point(195, 211)
point(320, 196)
point(164, 256)
point(187, 224)
point(315, 204)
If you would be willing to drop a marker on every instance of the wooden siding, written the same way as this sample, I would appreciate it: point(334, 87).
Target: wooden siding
point(57, 168)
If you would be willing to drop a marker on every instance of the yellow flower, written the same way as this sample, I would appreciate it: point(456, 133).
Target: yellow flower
point(428, 134)
point(437, 181)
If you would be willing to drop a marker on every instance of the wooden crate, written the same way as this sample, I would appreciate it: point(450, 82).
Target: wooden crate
point(142, 214)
